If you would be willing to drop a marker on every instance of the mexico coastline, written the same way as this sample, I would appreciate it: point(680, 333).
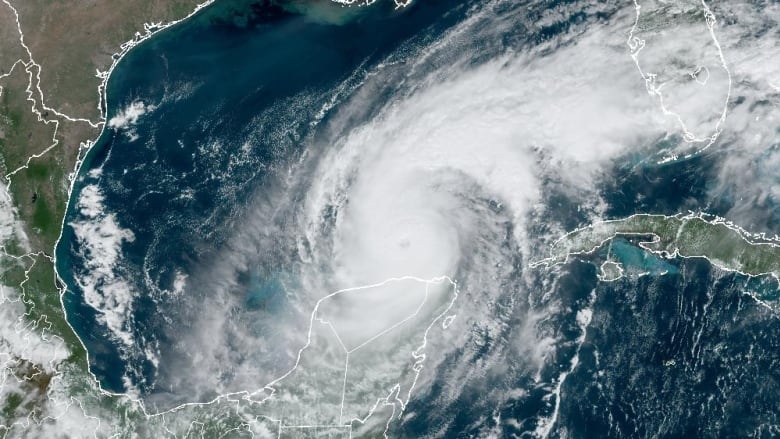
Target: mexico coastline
point(74, 313)
point(77, 314)
point(253, 59)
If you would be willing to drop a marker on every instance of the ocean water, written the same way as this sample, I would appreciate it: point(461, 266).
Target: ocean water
point(263, 154)
point(231, 98)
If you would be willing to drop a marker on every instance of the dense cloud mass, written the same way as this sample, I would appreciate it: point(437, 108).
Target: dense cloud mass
point(360, 253)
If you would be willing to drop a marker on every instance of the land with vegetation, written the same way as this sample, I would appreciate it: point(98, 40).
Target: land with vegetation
point(54, 56)
point(694, 235)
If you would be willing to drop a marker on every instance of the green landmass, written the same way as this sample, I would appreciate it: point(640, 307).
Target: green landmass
point(49, 110)
point(723, 244)
point(42, 137)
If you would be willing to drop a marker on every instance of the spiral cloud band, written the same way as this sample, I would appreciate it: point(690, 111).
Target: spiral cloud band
point(392, 236)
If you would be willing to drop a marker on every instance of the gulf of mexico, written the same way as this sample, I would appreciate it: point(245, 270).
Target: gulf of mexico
point(205, 114)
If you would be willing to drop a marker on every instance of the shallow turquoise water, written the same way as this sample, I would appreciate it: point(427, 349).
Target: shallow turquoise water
point(239, 94)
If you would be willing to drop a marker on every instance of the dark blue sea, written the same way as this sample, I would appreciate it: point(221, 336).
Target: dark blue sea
point(212, 116)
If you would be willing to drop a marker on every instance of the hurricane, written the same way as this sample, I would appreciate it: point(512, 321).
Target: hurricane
point(354, 239)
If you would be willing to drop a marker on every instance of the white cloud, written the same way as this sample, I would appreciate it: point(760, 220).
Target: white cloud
point(127, 118)
point(404, 182)
point(130, 115)
point(100, 238)
point(747, 175)
point(407, 185)
point(409, 192)
point(10, 226)
point(677, 53)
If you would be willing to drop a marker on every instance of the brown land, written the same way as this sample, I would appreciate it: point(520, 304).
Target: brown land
point(69, 41)
point(72, 39)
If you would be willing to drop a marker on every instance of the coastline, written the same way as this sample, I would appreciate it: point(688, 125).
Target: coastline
point(90, 153)
point(86, 156)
